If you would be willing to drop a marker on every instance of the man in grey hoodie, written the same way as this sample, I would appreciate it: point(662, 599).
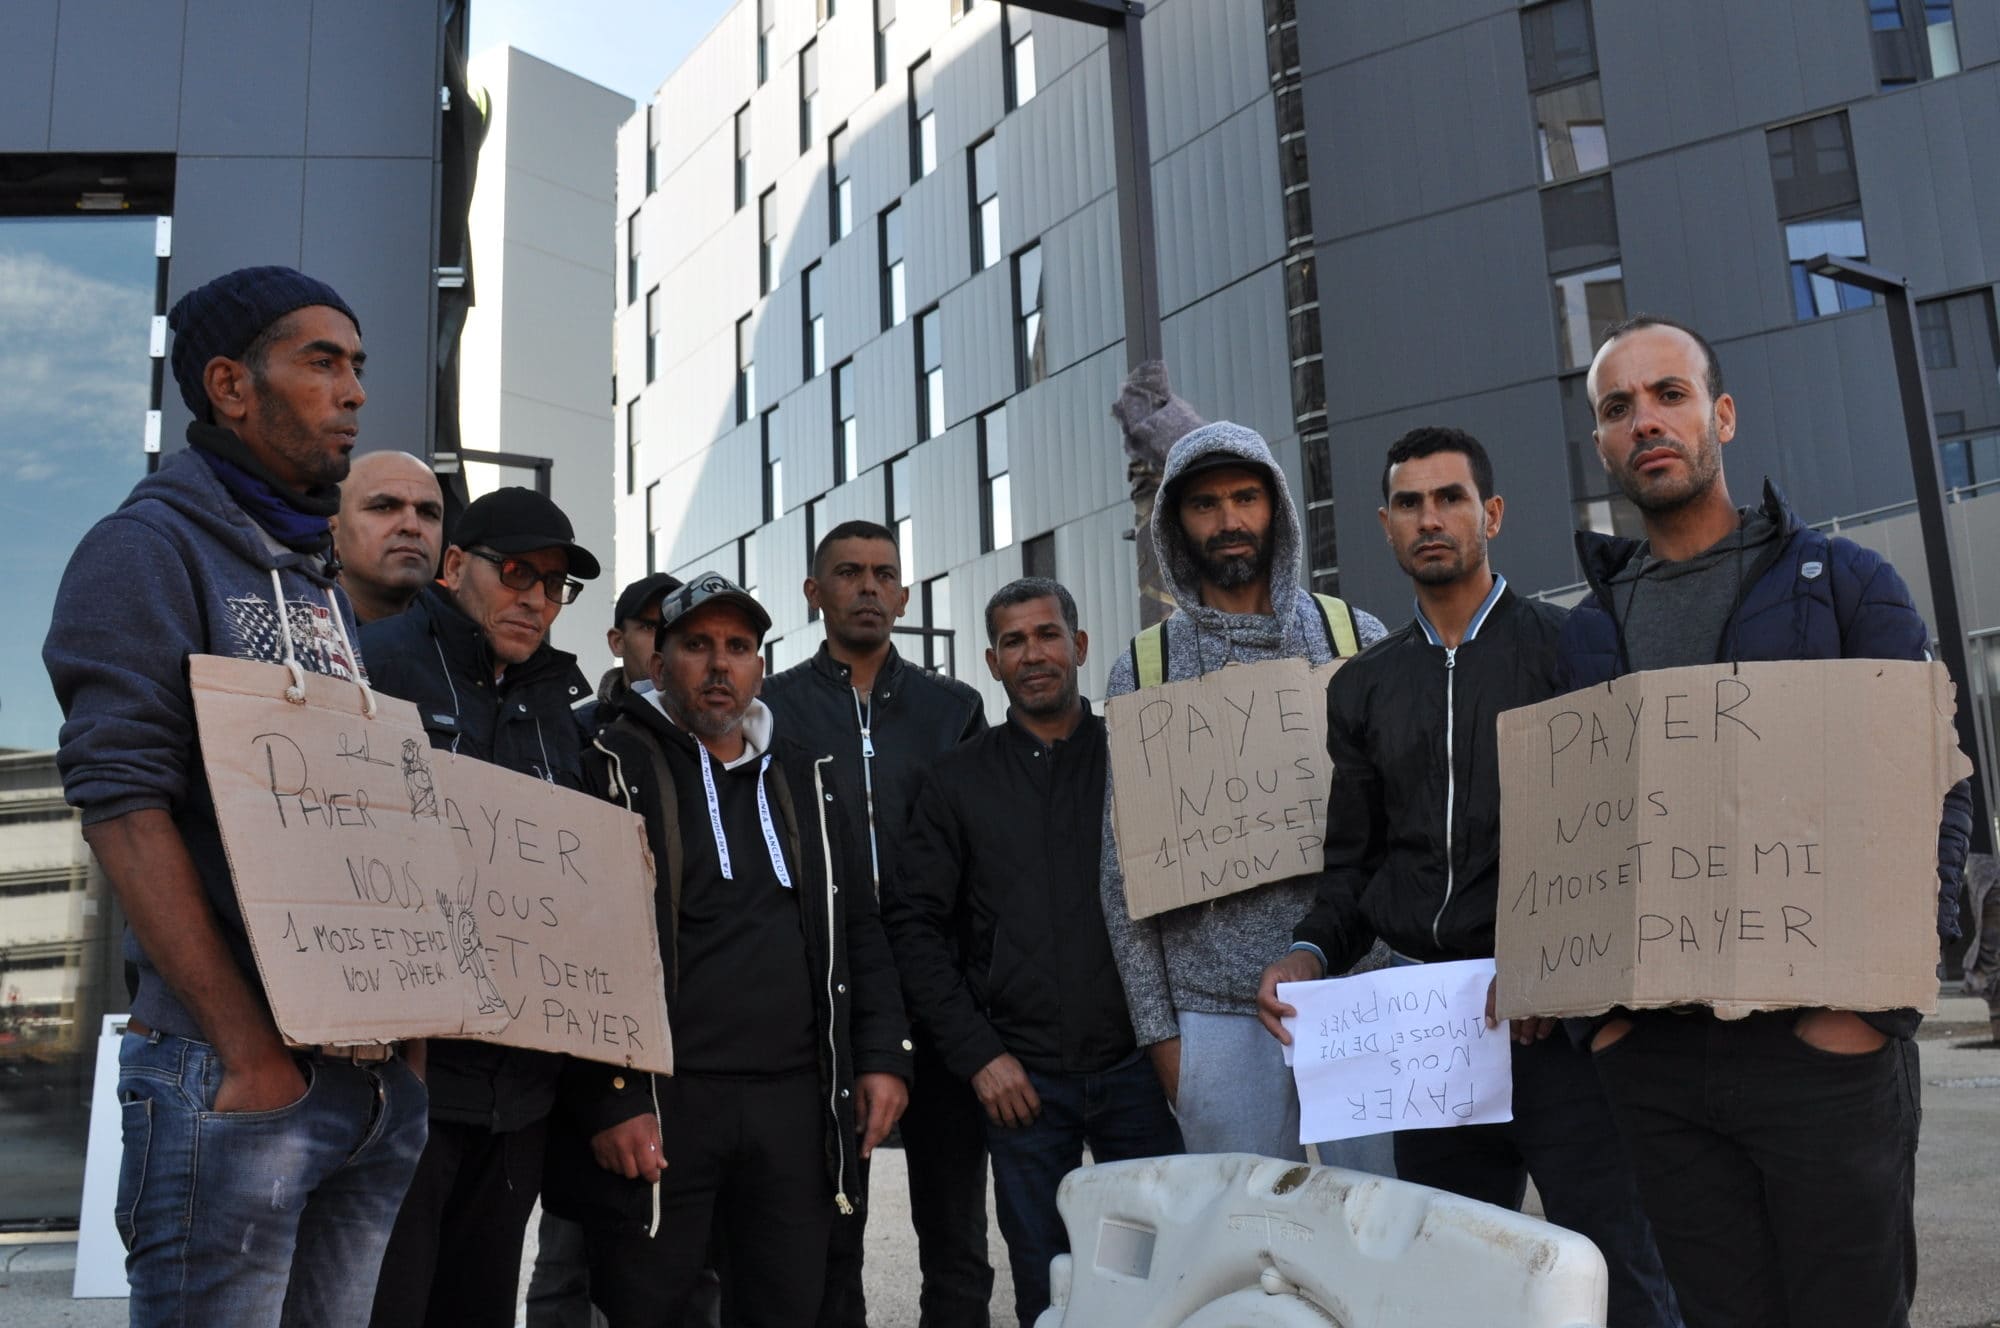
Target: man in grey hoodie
point(1229, 546)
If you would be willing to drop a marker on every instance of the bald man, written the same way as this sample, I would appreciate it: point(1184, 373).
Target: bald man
point(388, 533)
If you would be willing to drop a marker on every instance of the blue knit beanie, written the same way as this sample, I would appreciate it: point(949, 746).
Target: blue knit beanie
point(225, 316)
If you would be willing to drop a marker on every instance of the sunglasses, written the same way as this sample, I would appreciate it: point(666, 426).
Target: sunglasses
point(520, 574)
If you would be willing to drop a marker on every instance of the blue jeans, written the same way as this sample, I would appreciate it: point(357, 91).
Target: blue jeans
point(1121, 1113)
point(259, 1217)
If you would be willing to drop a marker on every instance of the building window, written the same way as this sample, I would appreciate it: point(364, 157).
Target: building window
point(767, 18)
point(1597, 502)
point(632, 445)
point(631, 258)
point(767, 239)
point(1562, 78)
point(1322, 545)
point(814, 323)
point(1961, 349)
point(1914, 40)
point(1819, 205)
point(774, 468)
point(652, 149)
point(846, 431)
point(652, 528)
point(983, 173)
point(885, 19)
point(1030, 350)
point(930, 375)
point(996, 486)
point(742, 156)
point(902, 500)
point(1580, 225)
point(746, 370)
point(1038, 556)
point(808, 91)
point(652, 334)
point(840, 199)
point(923, 121)
point(936, 607)
point(889, 227)
point(1019, 74)
point(813, 526)
point(825, 10)
point(746, 563)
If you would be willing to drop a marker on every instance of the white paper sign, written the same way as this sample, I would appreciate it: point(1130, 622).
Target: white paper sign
point(1403, 1048)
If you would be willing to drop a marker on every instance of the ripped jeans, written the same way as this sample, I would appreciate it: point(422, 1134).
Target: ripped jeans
point(263, 1217)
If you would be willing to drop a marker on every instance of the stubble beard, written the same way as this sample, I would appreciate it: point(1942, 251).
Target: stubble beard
point(1704, 469)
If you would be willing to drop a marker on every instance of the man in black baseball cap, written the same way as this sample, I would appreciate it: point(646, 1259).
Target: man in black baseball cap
point(473, 653)
point(635, 620)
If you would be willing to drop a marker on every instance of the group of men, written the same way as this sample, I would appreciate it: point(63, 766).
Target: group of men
point(876, 911)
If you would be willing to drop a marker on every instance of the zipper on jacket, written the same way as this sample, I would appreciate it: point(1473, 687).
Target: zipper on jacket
point(1450, 787)
point(840, 1199)
point(865, 720)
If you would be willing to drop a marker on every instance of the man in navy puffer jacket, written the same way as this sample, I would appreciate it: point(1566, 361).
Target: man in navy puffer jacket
point(1776, 1153)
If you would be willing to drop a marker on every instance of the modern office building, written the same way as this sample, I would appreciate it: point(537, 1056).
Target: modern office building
point(870, 268)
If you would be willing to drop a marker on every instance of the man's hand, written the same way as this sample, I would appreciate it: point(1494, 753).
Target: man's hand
point(1527, 1031)
point(267, 1082)
point(630, 1149)
point(1006, 1092)
point(1298, 966)
point(1166, 1057)
point(1609, 1033)
point(879, 1099)
point(1842, 1032)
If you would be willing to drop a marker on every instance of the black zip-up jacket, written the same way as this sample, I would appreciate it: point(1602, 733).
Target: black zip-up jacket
point(858, 1010)
point(1413, 817)
point(999, 865)
point(912, 717)
point(436, 657)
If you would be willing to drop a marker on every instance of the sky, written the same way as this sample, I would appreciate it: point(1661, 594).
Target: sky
point(629, 46)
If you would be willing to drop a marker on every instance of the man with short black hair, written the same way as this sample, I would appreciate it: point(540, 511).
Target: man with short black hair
point(223, 552)
point(883, 722)
point(388, 532)
point(635, 623)
point(473, 654)
point(995, 919)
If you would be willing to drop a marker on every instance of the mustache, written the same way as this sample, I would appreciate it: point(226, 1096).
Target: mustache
point(1232, 541)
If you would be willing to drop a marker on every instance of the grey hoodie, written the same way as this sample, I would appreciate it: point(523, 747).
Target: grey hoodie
point(1209, 957)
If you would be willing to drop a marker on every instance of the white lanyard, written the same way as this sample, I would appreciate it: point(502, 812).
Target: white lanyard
point(771, 844)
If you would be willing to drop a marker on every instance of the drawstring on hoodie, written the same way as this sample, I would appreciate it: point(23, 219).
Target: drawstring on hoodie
point(296, 691)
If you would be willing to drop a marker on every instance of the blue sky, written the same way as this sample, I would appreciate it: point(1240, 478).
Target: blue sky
point(629, 46)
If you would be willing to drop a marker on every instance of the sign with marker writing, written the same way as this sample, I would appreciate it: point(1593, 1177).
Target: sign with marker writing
point(1219, 783)
point(328, 819)
point(1755, 836)
point(553, 913)
point(1402, 1048)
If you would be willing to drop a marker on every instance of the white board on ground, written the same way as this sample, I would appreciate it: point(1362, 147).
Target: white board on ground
point(1402, 1048)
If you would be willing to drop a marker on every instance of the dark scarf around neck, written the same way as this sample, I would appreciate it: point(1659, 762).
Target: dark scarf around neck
point(293, 517)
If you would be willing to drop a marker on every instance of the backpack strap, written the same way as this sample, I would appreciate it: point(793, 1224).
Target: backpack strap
point(1149, 656)
point(1341, 636)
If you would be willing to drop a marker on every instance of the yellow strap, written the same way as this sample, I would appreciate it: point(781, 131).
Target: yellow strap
point(1340, 622)
point(1149, 656)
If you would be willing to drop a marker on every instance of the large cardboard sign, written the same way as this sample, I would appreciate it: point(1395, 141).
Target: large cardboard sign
point(329, 819)
point(558, 888)
point(1755, 836)
point(1219, 783)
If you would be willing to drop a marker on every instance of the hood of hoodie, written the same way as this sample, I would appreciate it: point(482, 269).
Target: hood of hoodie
point(1177, 559)
point(185, 484)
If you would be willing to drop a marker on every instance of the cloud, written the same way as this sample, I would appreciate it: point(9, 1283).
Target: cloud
point(78, 377)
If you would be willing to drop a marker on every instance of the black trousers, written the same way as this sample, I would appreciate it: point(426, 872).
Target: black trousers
point(464, 1217)
point(1779, 1178)
point(1564, 1136)
point(944, 1146)
point(746, 1162)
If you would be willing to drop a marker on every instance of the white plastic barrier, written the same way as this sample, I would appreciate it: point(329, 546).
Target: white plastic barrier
point(1235, 1241)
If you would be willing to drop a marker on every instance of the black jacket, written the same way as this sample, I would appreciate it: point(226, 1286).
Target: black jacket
point(435, 656)
point(858, 1008)
point(999, 865)
point(914, 716)
point(1413, 817)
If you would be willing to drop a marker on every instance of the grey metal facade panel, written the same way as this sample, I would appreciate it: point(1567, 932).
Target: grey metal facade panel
point(719, 73)
point(1762, 42)
point(1214, 224)
point(782, 559)
point(1099, 567)
point(1443, 307)
point(1205, 61)
point(804, 425)
point(1064, 449)
point(1978, 34)
point(1082, 299)
point(1061, 45)
point(1336, 34)
point(885, 376)
point(853, 294)
point(945, 471)
point(27, 75)
point(864, 498)
point(1055, 153)
point(719, 494)
point(881, 152)
point(1228, 356)
point(979, 342)
point(969, 88)
point(802, 230)
point(239, 107)
point(117, 79)
point(215, 233)
point(972, 584)
point(937, 233)
point(1921, 209)
point(367, 230)
point(780, 343)
point(389, 48)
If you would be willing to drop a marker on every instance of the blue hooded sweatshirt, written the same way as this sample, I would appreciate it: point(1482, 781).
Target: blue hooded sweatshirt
point(179, 569)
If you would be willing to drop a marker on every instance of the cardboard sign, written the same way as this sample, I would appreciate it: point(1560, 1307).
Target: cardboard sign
point(329, 820)
point(1219, 782)
point(1403, 1048)
point(558, 887)
point(1749, 837)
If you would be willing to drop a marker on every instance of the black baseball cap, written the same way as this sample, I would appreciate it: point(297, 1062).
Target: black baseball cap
point(632, 600)
point(710, 588)
point(518, 520)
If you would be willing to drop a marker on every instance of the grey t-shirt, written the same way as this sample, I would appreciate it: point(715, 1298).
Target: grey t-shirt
point(1673, 613)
